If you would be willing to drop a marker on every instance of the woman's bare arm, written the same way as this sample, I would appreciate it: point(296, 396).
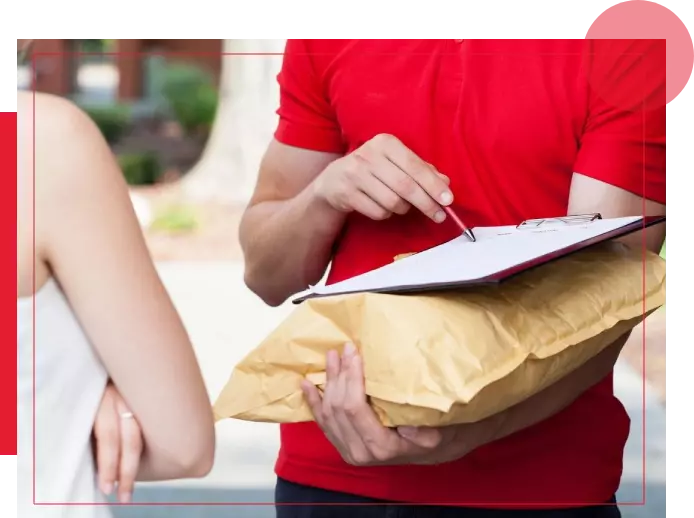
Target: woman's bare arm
point(88, 234)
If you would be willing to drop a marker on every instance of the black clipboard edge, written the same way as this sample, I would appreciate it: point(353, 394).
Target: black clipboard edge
point(504, 275)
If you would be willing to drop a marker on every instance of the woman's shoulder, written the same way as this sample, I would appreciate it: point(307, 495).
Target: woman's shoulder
point(52, 117)
point(56, 142)
point(54, 136)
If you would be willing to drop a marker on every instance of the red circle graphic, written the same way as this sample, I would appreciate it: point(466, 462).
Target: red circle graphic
point(639, 54)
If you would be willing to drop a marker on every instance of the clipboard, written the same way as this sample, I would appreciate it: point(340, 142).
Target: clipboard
point(531, 226)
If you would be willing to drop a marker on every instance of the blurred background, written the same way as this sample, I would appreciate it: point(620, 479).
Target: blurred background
point(188, 126)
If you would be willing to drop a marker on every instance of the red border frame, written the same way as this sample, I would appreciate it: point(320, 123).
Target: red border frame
point(8, 267)
point(8, 434)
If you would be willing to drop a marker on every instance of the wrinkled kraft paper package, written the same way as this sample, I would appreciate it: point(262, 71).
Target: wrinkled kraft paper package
point(452, 357)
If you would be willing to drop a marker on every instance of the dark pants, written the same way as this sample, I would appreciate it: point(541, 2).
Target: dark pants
point(290, 493)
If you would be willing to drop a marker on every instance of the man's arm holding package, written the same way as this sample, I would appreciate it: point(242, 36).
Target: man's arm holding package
point(620, 161)
point(587, 196)
point(366, 442)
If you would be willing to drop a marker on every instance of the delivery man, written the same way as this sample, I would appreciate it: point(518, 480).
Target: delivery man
point(374, 138)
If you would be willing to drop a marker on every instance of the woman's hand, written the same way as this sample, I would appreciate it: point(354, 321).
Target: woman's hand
point(118, 445)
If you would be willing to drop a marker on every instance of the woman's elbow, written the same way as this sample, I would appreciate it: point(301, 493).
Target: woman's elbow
point(196, 462)
point(202, 466)
point(192, 453)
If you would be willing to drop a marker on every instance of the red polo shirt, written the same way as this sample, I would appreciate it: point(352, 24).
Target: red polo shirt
point(508, 122)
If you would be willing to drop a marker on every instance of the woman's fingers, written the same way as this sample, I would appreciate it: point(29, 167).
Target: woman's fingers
point(107, 435)
point(131, 451)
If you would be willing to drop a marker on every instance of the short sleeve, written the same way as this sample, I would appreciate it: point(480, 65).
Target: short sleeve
point(627, 147)
point(626, 150)
point(306, 118)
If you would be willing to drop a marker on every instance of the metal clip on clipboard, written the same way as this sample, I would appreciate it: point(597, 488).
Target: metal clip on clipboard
point(549, 223)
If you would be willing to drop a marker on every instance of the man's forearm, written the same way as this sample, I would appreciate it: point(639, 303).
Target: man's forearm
point(287, 244)
point(542, 405)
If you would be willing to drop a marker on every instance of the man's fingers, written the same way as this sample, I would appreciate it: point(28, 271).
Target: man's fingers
point(339, 414)
point(444, 178)
point(355, 379)
point(420, 171)
point(362, 415)
point(379, 440)
point(314, 400)
point(332, 366)
point(407, 188)
point(338, 385)
point(335, 423)
point(363, 204)
point(379, 191)
point(441, 175)
point(107, 435)
point(341, 409)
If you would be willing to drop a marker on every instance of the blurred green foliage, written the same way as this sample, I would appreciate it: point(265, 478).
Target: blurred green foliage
point(192, 97)
point(140, 168)
point(95, 46)
point(113, 120)
point(175, 219)
point(184, 93)
point(90, 45)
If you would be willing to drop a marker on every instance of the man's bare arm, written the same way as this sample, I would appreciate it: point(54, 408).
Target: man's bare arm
point(588, 196)
point(286, 233)
point(303, 197)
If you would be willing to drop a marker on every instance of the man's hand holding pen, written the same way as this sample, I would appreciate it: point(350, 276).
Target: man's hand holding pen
point(383, 177)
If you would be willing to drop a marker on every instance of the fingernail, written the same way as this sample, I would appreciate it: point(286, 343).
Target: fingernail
point(125, 497)
point(408, 432)
point(446, 198)
point(349, 350)
point(439, 216)
point(107, 488)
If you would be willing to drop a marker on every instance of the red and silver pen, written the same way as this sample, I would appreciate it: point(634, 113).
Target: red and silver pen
point(464, 229)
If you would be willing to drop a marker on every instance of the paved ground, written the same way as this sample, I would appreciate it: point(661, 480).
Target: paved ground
point(211, 297)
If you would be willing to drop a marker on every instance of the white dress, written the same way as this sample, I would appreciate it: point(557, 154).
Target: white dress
point(69, 384)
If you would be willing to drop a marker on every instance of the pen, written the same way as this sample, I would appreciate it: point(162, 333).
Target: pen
point(465, 230)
